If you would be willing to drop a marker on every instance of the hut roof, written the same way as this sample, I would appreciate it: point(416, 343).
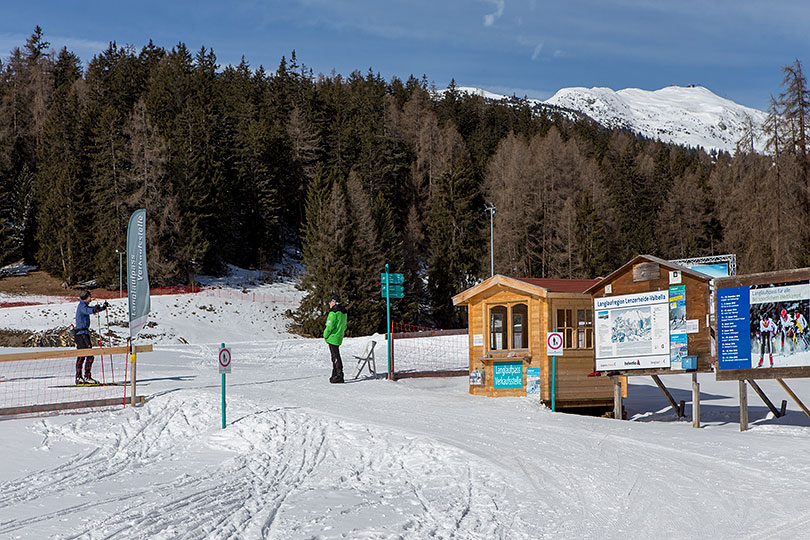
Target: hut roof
point(533, 286)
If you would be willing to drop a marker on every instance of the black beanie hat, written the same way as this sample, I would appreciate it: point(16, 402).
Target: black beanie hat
point(335, 299)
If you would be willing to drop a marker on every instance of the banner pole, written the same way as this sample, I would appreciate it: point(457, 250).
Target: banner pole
point(132, 360)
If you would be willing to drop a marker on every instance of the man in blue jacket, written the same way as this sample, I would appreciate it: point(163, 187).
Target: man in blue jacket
point(83, 312)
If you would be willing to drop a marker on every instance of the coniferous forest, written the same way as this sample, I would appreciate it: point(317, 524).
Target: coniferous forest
point(236, 164)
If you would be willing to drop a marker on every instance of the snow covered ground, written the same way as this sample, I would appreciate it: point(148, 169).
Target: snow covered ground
point(301, 458)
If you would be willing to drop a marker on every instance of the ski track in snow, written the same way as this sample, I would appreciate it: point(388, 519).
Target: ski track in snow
point(371, 459)
point(276, 462)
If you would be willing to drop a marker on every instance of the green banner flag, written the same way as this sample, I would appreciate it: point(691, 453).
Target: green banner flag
point(137, 275)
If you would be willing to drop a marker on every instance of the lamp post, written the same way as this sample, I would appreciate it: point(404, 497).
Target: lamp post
point(120, 273)
point(489, 207)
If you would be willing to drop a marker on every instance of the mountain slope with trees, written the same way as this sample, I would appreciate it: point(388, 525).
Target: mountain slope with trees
point(235, 163)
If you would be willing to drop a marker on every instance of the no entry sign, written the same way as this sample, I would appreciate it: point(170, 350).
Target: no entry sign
point(554, 344)
point(224, 360)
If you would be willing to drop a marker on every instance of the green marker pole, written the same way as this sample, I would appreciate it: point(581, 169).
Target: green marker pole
point(223, 393)
point(553, 380)
point(388, 322)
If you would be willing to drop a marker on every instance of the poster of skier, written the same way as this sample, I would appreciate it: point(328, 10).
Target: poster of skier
point(778, 315)
point(763, 325)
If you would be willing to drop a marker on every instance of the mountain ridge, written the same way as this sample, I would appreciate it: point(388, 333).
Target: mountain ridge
point(687, 115)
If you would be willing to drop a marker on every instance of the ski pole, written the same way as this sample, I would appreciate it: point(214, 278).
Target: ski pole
point(109, 342)
point(101, 344)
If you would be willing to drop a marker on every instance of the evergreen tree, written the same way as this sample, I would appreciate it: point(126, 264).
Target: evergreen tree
point(455, 240)
point(325, 259)
point(65, 212)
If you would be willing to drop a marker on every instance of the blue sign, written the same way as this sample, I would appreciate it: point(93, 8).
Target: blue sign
point(507, 375)
point(733, 328)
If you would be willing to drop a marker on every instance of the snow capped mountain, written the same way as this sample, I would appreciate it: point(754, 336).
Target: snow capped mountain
point(692, 116)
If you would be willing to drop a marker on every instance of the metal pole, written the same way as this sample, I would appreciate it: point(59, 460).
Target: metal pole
point(223, 394)
point(491, 209)
point(553, 380)
point(120, 273)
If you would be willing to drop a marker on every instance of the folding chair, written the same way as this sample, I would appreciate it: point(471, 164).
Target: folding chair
point(366, 359)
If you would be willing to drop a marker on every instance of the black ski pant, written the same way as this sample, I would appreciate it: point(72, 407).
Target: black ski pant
point(83, 342)
point(337, 363)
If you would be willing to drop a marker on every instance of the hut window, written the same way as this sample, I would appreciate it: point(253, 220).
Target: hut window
point(565, 324)
point(497, 328)
point(520, 328)
point(584, 328)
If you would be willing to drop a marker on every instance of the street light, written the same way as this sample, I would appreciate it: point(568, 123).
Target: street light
point(120, 273)
point(489, 207)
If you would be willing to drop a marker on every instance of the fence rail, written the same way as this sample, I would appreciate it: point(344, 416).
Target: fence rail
point(215, 292)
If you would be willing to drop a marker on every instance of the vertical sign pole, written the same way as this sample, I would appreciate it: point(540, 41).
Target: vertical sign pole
point(553, 380)
point(222, 346)
point(132, 359)
point(388, 322)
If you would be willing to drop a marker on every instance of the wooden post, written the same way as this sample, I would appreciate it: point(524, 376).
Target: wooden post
point(695, 401)
point(794, 396)
point(776, 412)
point(677, 408)
point(617, 398)
point(743, 406)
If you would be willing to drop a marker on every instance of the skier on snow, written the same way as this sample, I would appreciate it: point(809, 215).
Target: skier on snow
point(785, 329)
point(800, 327)
point(766, 330)
point(83, 312)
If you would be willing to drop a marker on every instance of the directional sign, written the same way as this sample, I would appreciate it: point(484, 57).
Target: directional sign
point(224, 360)
point(554, 344)
point(394, 291)
point(392, 278)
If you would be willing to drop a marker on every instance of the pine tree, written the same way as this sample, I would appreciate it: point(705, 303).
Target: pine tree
point(325, 260)
point(64, 209)
point(147, 186)
point(455, 240)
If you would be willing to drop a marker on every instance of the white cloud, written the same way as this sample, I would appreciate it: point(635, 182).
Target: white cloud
point(490, 19)
point(537, 50)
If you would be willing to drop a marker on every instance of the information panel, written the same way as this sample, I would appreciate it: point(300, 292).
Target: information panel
point(761, 326)
point(632, 331)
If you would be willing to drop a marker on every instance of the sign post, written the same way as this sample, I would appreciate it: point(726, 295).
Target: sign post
point(224, 367)
point(392, 286)
point(554, 347)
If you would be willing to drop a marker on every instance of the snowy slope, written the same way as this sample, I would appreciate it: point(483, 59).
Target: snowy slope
point(371, 459)
point(692, 116)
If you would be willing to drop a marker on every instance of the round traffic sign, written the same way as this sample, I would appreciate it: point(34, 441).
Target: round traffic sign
point(554, 341)
point(225, 358)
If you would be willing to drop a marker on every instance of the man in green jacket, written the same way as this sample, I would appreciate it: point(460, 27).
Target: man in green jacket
point(333, 334)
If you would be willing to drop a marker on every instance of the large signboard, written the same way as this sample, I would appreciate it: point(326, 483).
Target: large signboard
point(632, 331)
point(761, 326)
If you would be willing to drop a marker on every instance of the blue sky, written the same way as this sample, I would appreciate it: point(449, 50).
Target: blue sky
point(736, 48)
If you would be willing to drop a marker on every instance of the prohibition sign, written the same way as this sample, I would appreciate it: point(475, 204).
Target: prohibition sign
point(554, 342)
point(224, 360)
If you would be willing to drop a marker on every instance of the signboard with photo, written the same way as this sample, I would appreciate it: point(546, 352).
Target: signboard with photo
point(762, 326)
point(632, 331)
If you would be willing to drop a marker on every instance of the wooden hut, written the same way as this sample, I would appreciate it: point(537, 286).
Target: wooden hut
point(509, 319)
point(653, 318)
